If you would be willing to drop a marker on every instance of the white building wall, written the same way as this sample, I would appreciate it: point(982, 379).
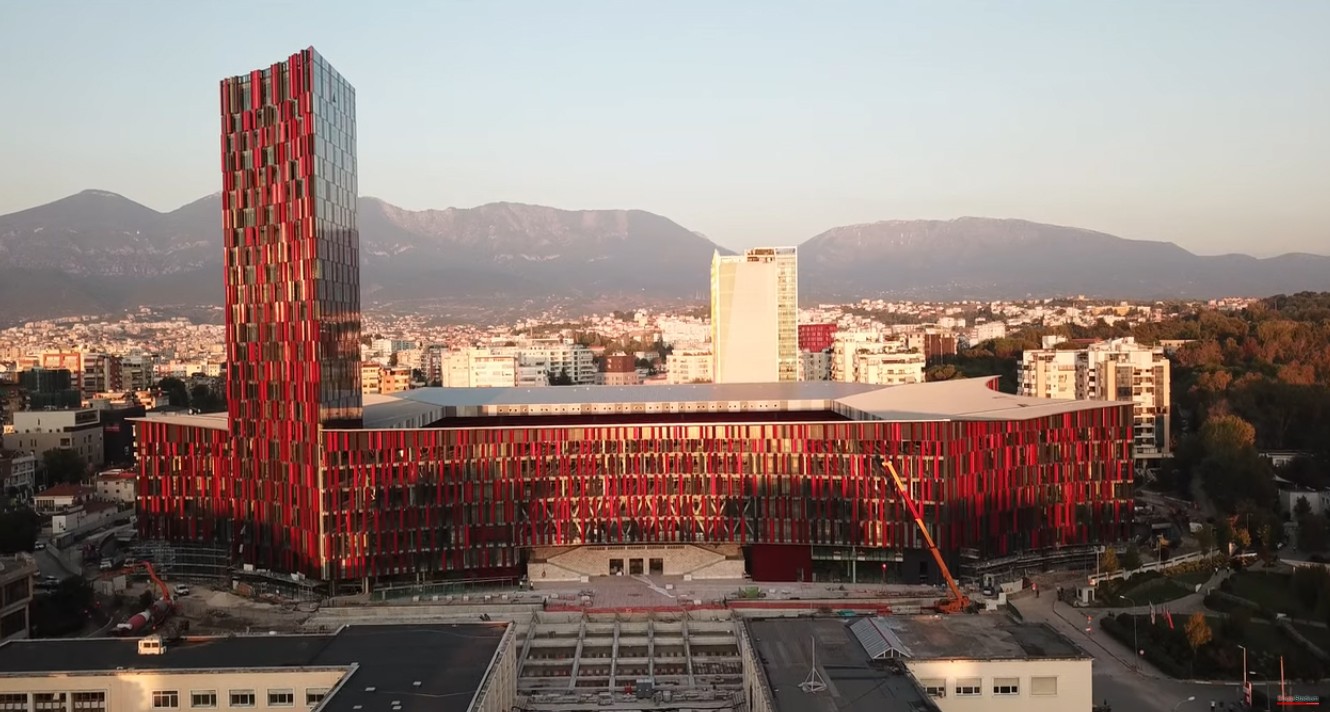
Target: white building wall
point(890, 369)
point(745, 338)
point(1073, 684)
point(1048, 373)
point(133, 691)
point(755, 316)
point(689, 366)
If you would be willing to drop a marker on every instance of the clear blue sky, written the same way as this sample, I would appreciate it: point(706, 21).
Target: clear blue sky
point(764, 122)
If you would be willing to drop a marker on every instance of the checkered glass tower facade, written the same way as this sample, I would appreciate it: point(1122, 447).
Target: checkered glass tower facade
point(292, 294)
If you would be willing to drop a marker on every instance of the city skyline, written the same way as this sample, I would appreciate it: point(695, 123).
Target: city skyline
point(710, 121)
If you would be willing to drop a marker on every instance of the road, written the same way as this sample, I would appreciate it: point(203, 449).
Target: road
point(1123, 680)
point(58, 564)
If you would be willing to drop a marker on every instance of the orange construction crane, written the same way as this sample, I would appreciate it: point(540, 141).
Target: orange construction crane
point(959, 602)
point(152, 574)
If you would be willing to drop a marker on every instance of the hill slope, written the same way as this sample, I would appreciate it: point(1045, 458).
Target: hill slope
point(989, 258)
point(96, 251)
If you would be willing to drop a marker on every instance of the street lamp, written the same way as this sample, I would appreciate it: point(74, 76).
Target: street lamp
point(1245, 684)
point(1135, 639)
point(1183, 702)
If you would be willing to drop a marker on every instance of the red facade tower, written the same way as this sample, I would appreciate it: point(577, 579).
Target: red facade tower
point(292, 294)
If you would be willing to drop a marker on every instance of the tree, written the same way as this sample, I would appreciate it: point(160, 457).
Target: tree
point(18, 530)
point(1301, 509)
point(1131, 559)
point(561, 378)
point(1242, 538)
point(1198, 631)
point(1108, 561)
point(62, 465)
point(203, 399)
point(1205, 538)
point(176, 392)
point(1313, 532)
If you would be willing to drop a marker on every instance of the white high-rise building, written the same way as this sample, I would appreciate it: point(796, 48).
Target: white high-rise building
point(1114, 370)
point(755, 316)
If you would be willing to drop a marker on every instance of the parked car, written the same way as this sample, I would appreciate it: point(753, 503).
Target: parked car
point(181, 590)
point(39, 546)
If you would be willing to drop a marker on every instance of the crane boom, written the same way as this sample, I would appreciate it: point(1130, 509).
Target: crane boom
point(959, 601)
point(157, 581)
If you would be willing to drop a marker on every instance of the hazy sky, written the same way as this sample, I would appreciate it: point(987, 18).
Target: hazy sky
point(765, 122)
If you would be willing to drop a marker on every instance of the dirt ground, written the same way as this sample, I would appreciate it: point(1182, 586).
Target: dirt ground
point(213, 611)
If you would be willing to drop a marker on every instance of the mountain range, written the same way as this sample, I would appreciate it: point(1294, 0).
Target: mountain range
point(97, 251)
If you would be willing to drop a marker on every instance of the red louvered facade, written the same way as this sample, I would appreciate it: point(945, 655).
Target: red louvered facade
point(469, 501)
point(290, 481)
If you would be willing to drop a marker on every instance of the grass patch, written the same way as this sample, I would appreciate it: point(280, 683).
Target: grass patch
point(1143, 589)
point(1320, 637)
point(1167, 648)
point(1192, 579)
point(1269, 590)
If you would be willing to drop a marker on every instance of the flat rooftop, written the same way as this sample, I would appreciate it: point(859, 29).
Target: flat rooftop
point(854, 682)
point(975, 637)
point(963, 399)
point(449, 661)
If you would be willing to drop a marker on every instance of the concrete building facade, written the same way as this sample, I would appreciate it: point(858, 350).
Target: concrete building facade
point(689, 366)
point(755, 316)
point(889, 369)
point(16, 577)
point(1113, 370)
point(77, 429)
point(618, 370)
point(1048, 373)
point(18, 471)
point(410, 669)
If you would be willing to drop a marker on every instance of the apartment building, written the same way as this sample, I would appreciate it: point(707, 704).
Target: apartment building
point(1123, 370)
point(370, 373)
point(479, 368)
point(102, 373)
point(1113, 370)
point(558, 358)
point(815, 365)
point(18, 471)
point(16, 576)
point(1048, 373)
point(77, 429)
point(138, 372)
point(889, 369)
point(689, 366)
point(618, 370)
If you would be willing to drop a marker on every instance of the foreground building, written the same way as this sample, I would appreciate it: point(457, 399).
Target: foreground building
point(16, 587)
point(785, 479)
point(979, 663)
point(450, 668)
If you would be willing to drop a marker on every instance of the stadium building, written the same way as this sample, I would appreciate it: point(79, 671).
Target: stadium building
point(782, 481)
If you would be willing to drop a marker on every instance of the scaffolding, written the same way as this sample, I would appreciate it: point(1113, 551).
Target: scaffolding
point(1081, 558)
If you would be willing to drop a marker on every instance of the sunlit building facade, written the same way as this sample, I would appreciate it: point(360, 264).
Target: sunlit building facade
point(306, 475)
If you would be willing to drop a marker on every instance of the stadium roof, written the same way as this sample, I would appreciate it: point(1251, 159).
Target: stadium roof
point(963, 399)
